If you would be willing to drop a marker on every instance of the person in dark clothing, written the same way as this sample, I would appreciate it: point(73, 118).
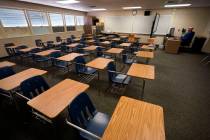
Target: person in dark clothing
point(187, 38)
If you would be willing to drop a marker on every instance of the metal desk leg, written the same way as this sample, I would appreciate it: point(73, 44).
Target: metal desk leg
point(142, 93)
point(98, 75)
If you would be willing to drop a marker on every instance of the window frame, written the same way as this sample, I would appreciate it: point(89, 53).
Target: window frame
point(25, 16)
point(77, 20)
point(43, 12)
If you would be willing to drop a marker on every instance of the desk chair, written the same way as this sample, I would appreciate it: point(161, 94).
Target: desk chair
point(58, 39)
point(65, 49)
point(124, 40)
point(10, 52)
point(6, 72)
point(73, 37)
point(117, 80)
point(18, 53)
point(135, 47)
point(39, 43)
point(99, 53)
point(55, 55)
point(84, 117)
point(86, 73)
point(32, 87)
point(69, 41)
point(113, 44)
point(81, 50)
point(127, 59)
point(29, 89)
point(42, 60)
point(97, 42)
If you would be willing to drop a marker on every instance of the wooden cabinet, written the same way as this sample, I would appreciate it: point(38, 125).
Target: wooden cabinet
point(172, 45)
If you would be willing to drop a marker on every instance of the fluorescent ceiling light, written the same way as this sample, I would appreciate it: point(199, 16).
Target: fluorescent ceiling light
point(67, 1)
point(136, 7)
point(99, 9)
point(177, 5)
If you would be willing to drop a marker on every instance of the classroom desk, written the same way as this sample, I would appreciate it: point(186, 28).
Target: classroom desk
point(26, 50)
point(103, 38)
point(90, 41)
point(12, 82)
point(116, 39)
point(69, 57)
point(125, 45)
point(99, 35)
point(6, 64)
point(90, 48)
point(53, 101)
point(142, 71)
point(114, 51)
point(57, 43)
point(88, 37)
point(99, 63)
point(76, 39)
point(148, 47)
point(123, 36)
point(145, 54)
point(72, 45)
point(135, 120)
point(46, 53)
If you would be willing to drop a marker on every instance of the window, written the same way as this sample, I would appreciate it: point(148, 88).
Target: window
point(80, 20)
point(12, 18)
point(70, 22)
point(56, 22)
point(39, 22)
point(56, 19)
point(38, 18)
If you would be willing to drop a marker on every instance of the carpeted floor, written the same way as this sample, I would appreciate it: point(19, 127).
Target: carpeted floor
point(181, 87)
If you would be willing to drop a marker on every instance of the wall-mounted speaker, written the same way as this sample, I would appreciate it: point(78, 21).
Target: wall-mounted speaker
point(95, 20)
point(147, 13)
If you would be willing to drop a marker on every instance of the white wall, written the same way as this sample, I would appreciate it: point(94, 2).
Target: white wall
point(181, 18)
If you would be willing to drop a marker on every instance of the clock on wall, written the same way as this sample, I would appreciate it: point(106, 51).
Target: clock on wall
point(134, 12)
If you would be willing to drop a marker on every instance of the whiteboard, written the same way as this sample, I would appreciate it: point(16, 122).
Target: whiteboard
point(136, 24)
point(164, 24)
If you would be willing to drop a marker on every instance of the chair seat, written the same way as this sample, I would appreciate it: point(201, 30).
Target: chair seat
point(122, 79)
point(130, 61)
point(60, 64)
point(90, 70)
point(96, 125)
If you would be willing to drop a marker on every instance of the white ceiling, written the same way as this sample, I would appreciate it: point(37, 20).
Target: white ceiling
point(118, 4)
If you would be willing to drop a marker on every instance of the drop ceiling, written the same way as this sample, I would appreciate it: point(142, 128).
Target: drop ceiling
point(84, 5)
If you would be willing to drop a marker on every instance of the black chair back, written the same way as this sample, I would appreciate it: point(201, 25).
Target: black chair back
point(33, 86)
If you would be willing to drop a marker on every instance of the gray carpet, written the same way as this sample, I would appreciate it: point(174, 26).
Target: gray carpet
point(181, 87)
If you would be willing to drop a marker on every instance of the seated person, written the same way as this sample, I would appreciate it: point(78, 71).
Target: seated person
point(187, 38)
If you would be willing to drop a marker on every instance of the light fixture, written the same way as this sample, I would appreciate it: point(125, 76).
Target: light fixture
point(127, 8)
point(67, 1)
point(98, 9)
point(177, 5)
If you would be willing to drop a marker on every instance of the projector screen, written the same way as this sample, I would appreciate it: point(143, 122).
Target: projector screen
point(136, 24)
